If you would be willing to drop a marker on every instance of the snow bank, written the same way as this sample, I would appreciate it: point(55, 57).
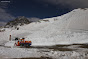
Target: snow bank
point(27, 53)
point(10, 43)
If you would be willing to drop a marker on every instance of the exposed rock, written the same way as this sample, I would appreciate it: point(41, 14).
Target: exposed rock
point(18, 21)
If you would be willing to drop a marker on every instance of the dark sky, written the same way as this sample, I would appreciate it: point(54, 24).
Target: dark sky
point(10, 9)
point(33, 8)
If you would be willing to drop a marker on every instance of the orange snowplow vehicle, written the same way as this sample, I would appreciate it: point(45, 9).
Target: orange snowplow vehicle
point(22, 42)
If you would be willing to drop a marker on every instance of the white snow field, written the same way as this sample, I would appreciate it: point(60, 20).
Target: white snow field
point(66, 29)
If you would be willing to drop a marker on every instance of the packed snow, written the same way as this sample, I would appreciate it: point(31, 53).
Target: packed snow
point(66, 29)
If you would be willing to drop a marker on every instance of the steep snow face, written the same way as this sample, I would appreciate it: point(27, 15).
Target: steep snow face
point(79, 19)
point(75, 20)
point(65, 29)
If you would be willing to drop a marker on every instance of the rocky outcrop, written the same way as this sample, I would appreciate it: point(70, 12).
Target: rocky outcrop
point(18, 21)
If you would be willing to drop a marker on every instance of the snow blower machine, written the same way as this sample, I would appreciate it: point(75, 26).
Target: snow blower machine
point(22, 42)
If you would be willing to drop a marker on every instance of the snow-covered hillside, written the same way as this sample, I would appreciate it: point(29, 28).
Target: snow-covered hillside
point(66, 29)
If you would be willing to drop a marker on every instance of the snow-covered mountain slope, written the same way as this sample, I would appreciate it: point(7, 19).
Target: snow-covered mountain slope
point(66, 29)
